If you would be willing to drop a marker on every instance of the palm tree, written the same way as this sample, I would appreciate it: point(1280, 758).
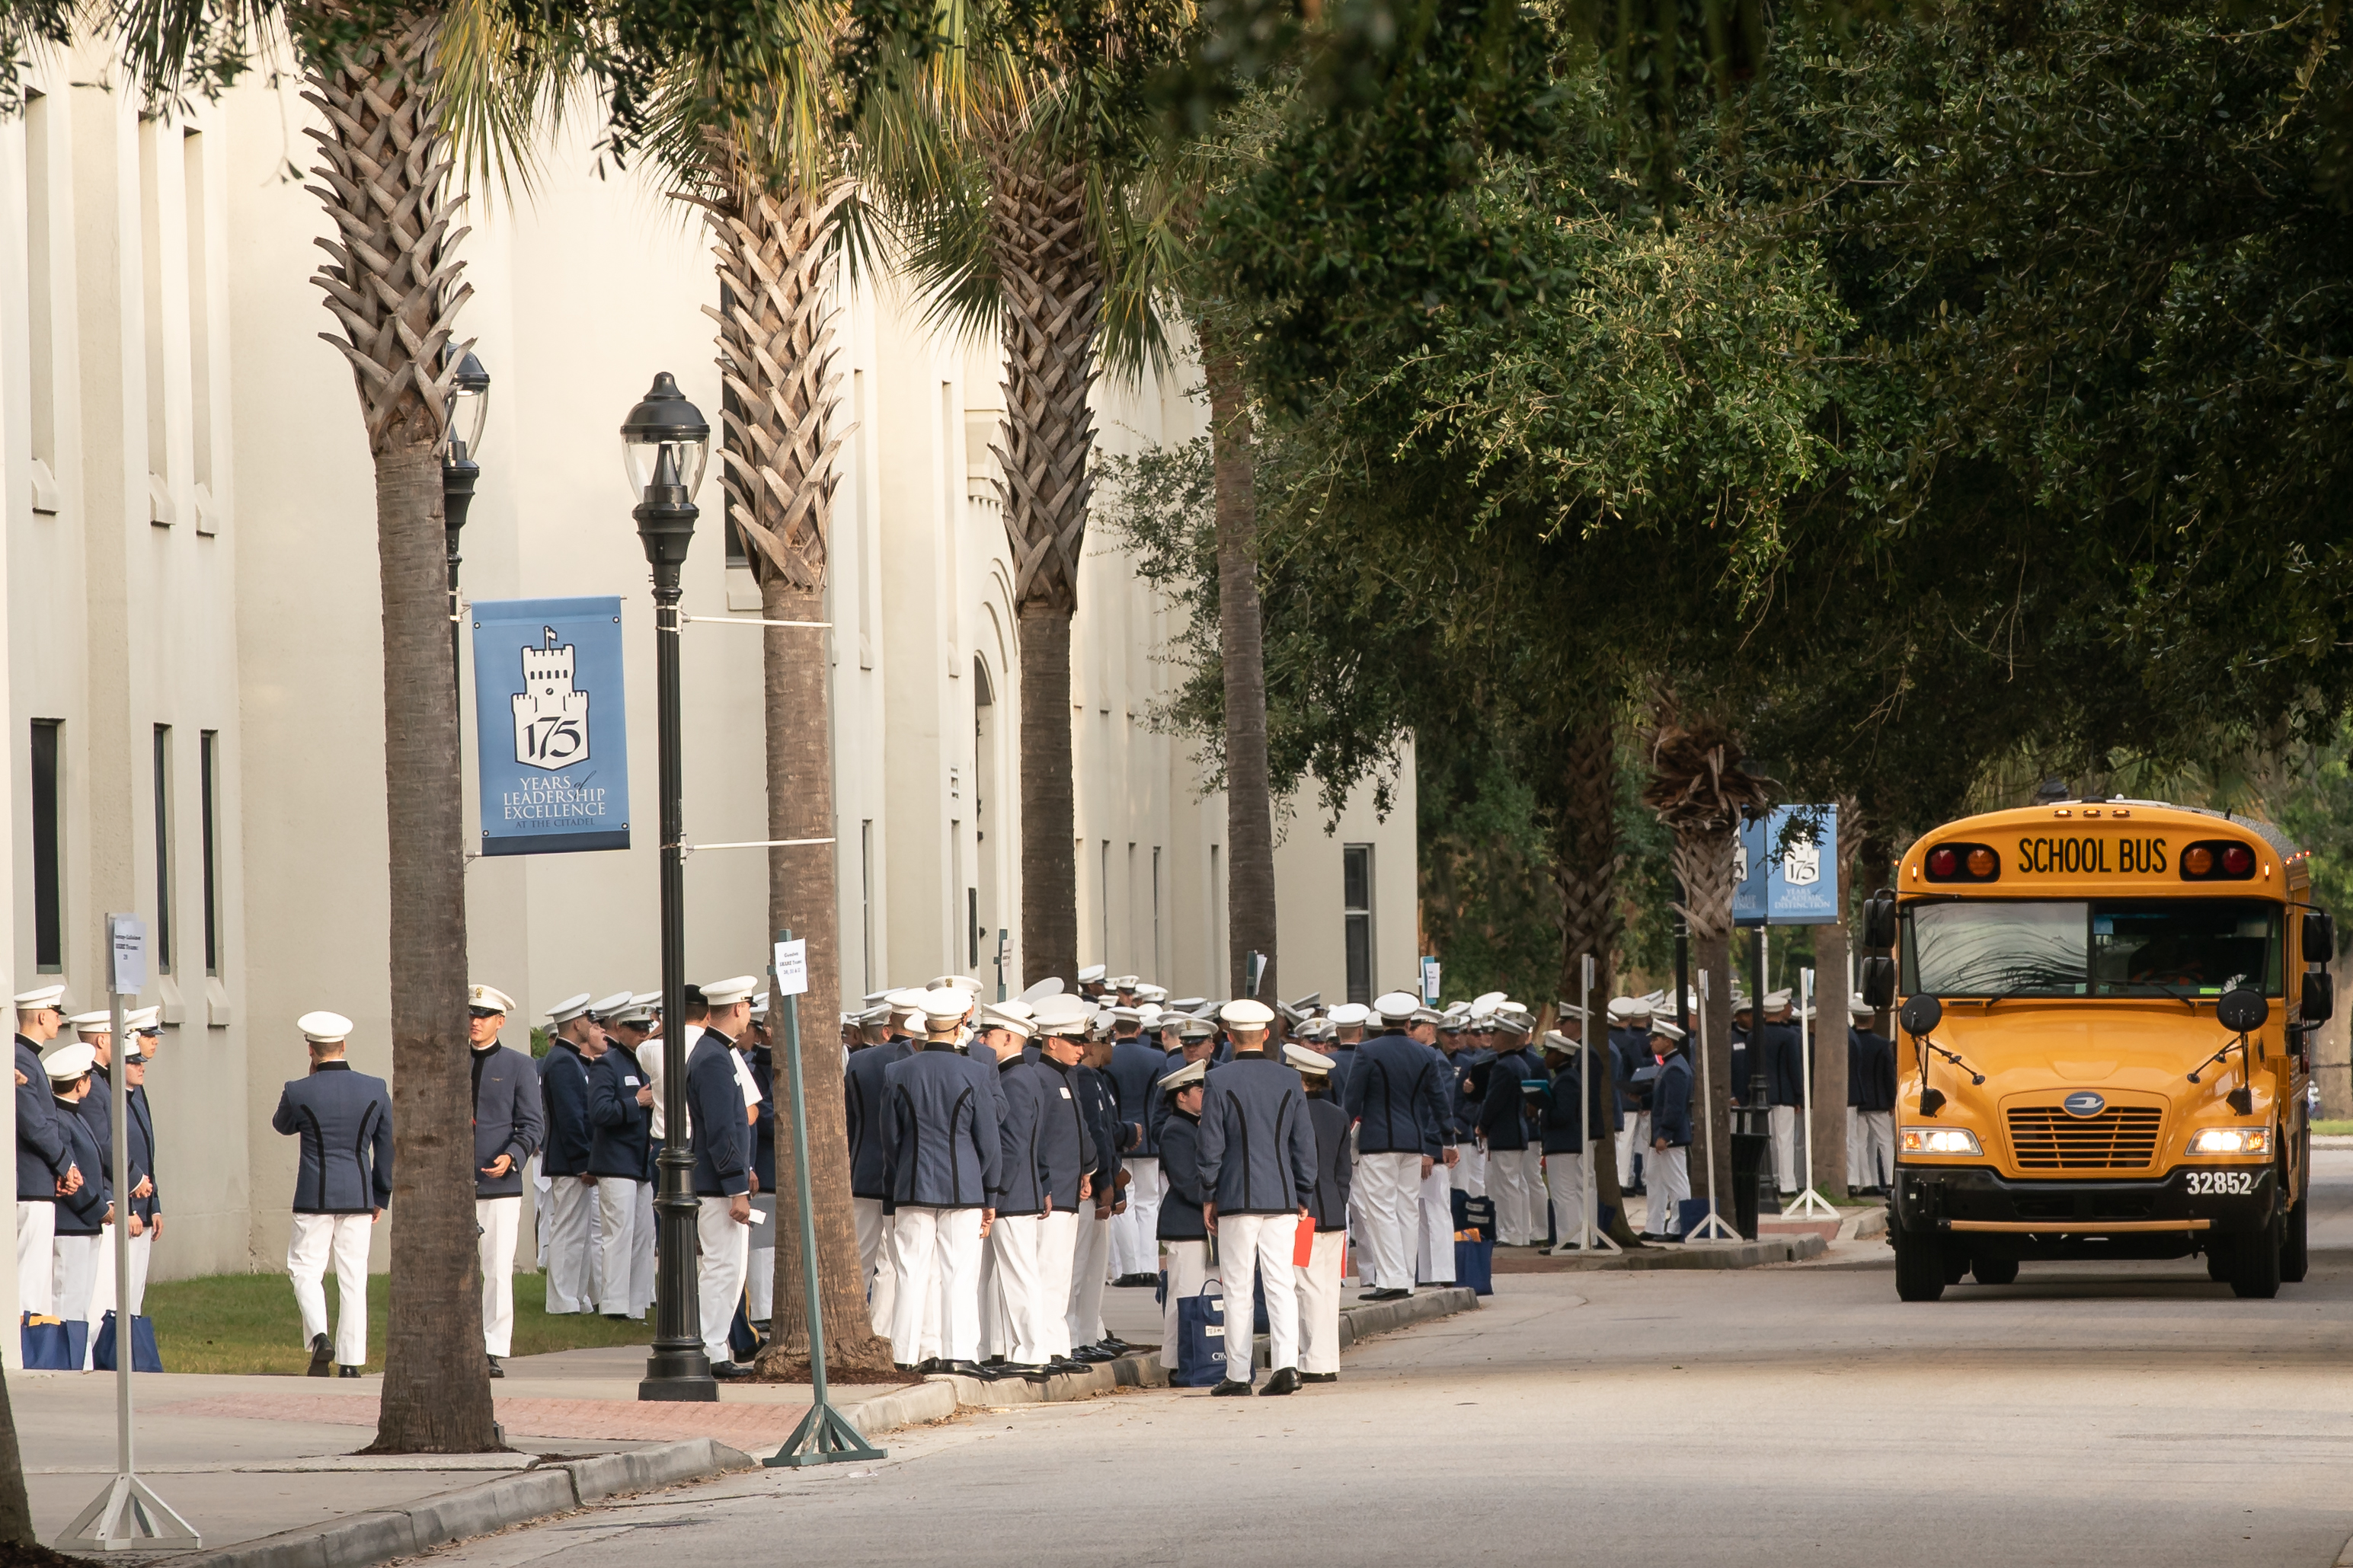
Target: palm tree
point(1249, 799)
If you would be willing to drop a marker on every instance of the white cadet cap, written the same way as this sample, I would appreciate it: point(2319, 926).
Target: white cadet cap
point(1487, 1000)
point(1188, 1003)
point(1246, 1014)
point(324, 1028)
point(1195, 1028)
point(1306, 1060)
point(647, 999)
point(1125, 1015)
point(491, 996)
point(1050, 986)
point(945, 1005)
point(727, 993)
point(1776, 1000)
point(1857, 1007)
point(145, 1018)
point(905, 1000)
point(1396, 1007)
point(99, 1023)
point(1062, 1015)
point(1570, 1010)
point(607, 1007)
point(571, 1008)
point(1122, 981)
point(1190, 1073)
point(1666, 1030)
point(999, 1016)
point(1425, 1015)
point(760, 1005)
point(1350, 1013)
point(1152, 994)
point(41, 996)
point(68, 1063)
point(1554, 1040)
point(1092, 975)
point(1514, 1024)
point(957, 981)
point(1148, 1015)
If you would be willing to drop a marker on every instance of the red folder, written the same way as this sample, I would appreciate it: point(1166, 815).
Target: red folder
point(1303, 1250)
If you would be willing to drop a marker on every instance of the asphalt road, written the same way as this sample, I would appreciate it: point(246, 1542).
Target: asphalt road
point(2126, 1415)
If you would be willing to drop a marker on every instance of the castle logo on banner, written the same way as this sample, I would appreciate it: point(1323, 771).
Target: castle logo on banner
point(554, 777)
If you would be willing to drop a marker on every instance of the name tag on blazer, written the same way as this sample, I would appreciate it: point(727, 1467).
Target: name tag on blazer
point(630, 1081)
point(1066, 1093)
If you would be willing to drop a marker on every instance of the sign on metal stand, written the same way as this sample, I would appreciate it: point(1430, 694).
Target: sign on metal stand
point(825, 1434)
point(1713, 1227)
point(127, 1514)
point(1589, 1234)
point(1810, 1204)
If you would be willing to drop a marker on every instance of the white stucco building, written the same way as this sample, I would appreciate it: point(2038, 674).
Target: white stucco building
point(193, 669)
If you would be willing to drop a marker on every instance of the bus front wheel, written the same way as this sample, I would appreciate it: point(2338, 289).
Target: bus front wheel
point(1919, 1265)
point(2255, 1262)
point(2295, 1254)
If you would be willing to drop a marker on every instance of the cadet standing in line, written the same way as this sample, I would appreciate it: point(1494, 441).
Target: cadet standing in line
point(1197, 1041)
point(1347, 1020)
point(82, 1217)
point(1870, 1099)
point(1182, 1228)
point(46, 1171)
point(1502, 1122)
point(564, 1154)
point(760, 1063)
point(941, 1154)
point(508, 1127)
point(1135, 1069)
point(1258, 1167)
point(1395, 1096)
point(1100, 1212)
point(1047, 1173)
point(1561, 1134)
point(1434, 1244)
point(1319, 1277)
point(1630, 1043)
point(1783, 1065)
point(870, 1175)
point(343, 1185)
point(146, 1206)
point(620, 1159)
point(721, 1133)
point(1670, 1134)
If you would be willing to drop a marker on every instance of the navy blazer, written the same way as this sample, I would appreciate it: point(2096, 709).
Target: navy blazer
point(762, 1060)
point(1502, 1117)
point(941, 1142)
point(1628, 1048)
point(622, 1144)
point(508, 1118)
point(1157, 1117)
point(1344, 1062)
point(1134, 1071)
point(1101, 1101)
point(1335, 1169)
point(42, 1157)
point(1561, 1129)
point(1046, 1145)
point(1670, 1103)
point(141, 1133)
point(714, 1106)
point(344, 1120)
point(564, 1099)
point(1397, 1096)
point(97, 1110)
point(82, 1212)
point(861, 1097)
point(1785, 1065)
point(1869, 1070)
point(1257, 1147)
point(1180, 1162)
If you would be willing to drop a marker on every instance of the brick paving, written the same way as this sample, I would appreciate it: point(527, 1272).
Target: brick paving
point(738, 1425)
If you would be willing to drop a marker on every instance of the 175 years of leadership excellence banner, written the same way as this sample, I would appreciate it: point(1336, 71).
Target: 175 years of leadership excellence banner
point(550, 725)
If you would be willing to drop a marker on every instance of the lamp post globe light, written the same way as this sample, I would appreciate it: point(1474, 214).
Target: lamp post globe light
point(462, 413)
point(664, 442)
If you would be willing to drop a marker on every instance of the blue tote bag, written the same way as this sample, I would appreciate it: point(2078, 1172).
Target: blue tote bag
point(145, 1357)
point(46, 1345)
point(1200, 1338)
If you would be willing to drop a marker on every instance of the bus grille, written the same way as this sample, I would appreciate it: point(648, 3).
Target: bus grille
point(2121, 1137)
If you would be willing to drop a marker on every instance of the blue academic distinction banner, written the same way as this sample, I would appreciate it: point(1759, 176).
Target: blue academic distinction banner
point(1786, 868)
point(550, 725)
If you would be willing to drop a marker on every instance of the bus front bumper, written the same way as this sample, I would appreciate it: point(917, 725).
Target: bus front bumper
point(2220, 1198)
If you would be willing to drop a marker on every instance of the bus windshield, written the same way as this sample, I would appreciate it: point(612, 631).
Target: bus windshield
point(2097, 947)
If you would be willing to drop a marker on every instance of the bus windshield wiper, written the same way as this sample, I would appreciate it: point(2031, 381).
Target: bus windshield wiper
point(2013, 992)
point(2182, 996)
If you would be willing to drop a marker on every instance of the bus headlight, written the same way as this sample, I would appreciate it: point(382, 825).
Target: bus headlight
point(1940, 1141)
point(2232, 1140)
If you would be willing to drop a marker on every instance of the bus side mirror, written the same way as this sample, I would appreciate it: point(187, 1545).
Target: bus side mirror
point(2241, 1009)
point(1879, 983)
point(2319, 937)
point(2317, 1005)
point(1879, 921)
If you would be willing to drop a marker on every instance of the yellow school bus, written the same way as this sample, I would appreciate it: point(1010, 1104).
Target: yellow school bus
point(2102, 1042)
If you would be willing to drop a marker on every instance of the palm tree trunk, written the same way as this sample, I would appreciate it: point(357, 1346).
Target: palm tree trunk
point(1249, 806)
point(1702, 857)
point(1583, 805)
point(1052, 283)
point(16, 1507)
point(392, 284)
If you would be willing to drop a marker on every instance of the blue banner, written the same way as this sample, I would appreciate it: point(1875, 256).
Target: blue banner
point(550, 725)
point(1786, 868)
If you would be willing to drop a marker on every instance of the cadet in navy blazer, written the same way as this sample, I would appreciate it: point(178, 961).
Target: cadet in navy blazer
point(84, 1213)
point(1671, 1103)
point(714, 1102)
point(1397, 1095)
point(1502, 1115)
point(42, 1157)
point(508, 1117)
point(1258, 1146)
point(862, 1103)
point(622, 1144)
point(1180, 1162)
point(1135, 1069)
point(344, 1120)
point(564, 1103)
point(1047, 1151)
point(942, 1145)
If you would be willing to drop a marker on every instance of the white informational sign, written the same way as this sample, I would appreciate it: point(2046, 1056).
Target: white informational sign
point(127, 938)
point(792, 968)
point(1430, 982)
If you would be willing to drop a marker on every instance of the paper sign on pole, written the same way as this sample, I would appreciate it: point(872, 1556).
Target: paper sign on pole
point(792, 967)
point(127, 939)
point(1430, 982)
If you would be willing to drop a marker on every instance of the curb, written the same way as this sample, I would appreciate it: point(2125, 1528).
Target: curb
point(1746, 1255)
point(1369, 1317)
point(380, 1534)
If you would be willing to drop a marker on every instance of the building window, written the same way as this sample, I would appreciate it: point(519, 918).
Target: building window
point(200, 300)
point(163, 849)
point(1356, 911)
point(972, 926)
point(1102, 885)
point(866, 895)
point(1222, 961)
point(208, 805)
point(48, 847)
point(38, 220)
point(1156, 969)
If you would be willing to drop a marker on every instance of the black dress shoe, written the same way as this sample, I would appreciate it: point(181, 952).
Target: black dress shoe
point(932, 1364)
point(1116, 1345)
point(344, 1370)
point(1394, 1293)
point(1319, 1377)
point(322, 1356)
point(1062, 1363)
point(1284, 1380)
point(968, 1369)
point(908, 1367)
point(992, 1360)
point(496, 1370)
point(1370, 1295)
point(724, 1370)
point(1229, 1389)
point(616, 1316)
point(1093, 1355)
point(1003, 1370)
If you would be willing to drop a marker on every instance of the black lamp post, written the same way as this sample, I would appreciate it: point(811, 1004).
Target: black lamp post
point(463, 411)
point(665, 440)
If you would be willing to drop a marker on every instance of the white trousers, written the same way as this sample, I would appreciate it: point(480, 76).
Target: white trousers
point(760, 1278)
point(719, 1279)
point(1670, 1183)
point(1390, 1185)
point(1565, 1188)
point(37, 1262)
point(1189, 1270)
point(625, 1219)
point(1058, 1245)
point(1512, 1183)
point(1785, 1147)
point(142, 1249)
point(1091, 1255)
point(996, 1322)
point(317, 1240)
point(498, 1219)
point(570, 1282)
point(874, 1260)
point(1469, 1174)
point(1633, 1138)
point(76, 1285)
point(1434, 1264)
point(1871, 1147)
point(1135, 1244)
point(1319, 1304)
point(931, 1248)
point(1256, 1250)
